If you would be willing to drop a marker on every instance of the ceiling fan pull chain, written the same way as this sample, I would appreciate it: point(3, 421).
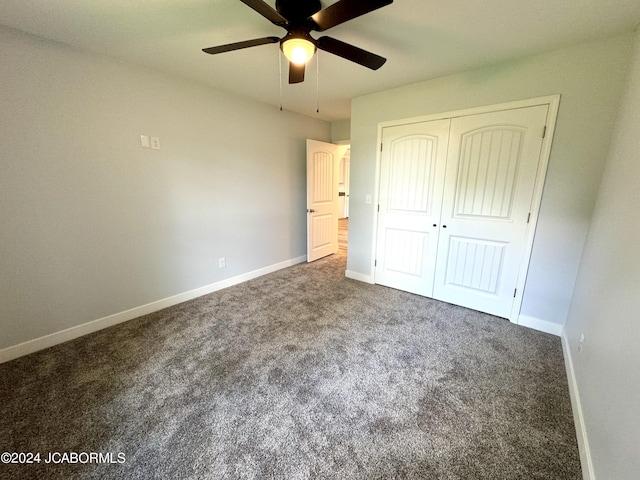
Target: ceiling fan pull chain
point(318, 82)
point(280, 68)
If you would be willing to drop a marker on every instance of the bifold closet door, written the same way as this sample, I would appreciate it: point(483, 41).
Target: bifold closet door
point(492, 165)
point(412, 170)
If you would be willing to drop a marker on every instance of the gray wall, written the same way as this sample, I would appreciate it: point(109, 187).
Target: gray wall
point(606, 303)
point(340, 131)
point(91, 224)
point(590, 78)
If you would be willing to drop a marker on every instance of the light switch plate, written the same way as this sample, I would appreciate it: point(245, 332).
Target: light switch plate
point(155, 143)
point(144, 141)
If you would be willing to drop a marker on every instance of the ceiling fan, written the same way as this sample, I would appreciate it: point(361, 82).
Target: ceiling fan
point(299, 18)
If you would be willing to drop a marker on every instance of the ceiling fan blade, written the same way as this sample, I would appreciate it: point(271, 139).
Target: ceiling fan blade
point(348, 51)
point(296, 73)
point(267, 12)
point(229, 47)
point(343, 11)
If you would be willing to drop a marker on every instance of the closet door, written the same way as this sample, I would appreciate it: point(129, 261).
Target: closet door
point(412, 170)
point(491, 172)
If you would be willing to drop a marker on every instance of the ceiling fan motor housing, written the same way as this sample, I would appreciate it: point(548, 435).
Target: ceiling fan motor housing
point(297, 11)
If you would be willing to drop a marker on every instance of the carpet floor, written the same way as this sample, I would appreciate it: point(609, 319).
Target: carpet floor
point(298, 374)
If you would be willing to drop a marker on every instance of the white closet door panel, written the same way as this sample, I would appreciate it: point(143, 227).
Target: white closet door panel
point(488, 168)
point(411, 182)
point(491, 173)
point(475, 264)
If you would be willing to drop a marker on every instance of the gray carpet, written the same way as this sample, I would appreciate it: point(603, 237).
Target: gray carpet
point(298, 374)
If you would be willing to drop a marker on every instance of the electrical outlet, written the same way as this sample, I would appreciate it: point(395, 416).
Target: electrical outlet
point(581, 343)
point(222, 263)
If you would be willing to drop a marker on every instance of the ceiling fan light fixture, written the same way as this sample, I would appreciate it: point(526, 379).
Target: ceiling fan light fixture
point(299, 18)
point(298, 50)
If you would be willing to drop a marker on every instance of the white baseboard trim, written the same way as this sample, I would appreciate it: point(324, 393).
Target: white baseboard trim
point(578, 417)
point(31, 346)
point(540, 325)
point(359, 276)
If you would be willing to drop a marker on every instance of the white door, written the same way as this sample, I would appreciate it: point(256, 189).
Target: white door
point(492, 166)
point(322, 198)
point(347, 177)
point(412, 171)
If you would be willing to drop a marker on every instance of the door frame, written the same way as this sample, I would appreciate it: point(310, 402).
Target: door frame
point(336, 151)
point(553, 102)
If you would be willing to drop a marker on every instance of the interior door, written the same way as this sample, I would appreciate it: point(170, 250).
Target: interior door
point(322, 198)
point(412, 171)
point(491, 172)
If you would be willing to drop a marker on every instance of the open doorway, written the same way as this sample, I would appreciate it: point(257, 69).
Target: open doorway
point(343, 201)
point(323, 199)
point(328, 168)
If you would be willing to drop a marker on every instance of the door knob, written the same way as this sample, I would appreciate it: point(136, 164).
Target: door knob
point(311, 210)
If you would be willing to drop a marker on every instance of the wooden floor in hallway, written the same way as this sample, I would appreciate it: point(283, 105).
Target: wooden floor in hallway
point(343, 234)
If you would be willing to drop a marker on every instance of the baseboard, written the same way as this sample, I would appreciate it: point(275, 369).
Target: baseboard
point(578, 417)
point(359, 276)
point(540, 325)
point(31, 346)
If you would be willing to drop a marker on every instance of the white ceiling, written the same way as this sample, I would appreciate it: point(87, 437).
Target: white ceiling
point(421, 39)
